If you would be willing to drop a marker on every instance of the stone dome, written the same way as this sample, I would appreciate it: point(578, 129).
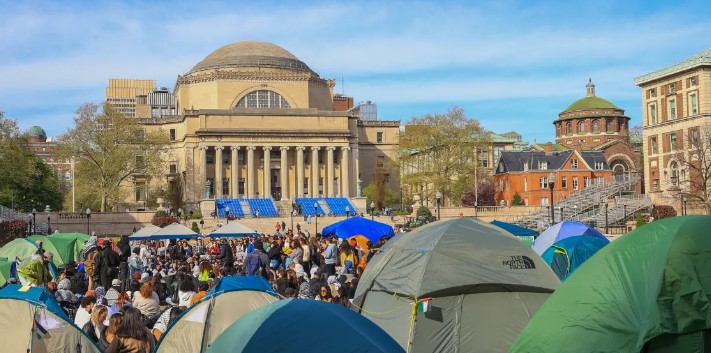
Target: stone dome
point(37, 132)
point(588, 103)
point(251, 54)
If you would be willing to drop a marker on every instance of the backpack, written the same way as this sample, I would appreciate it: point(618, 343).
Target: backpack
point(89, 262)
point(252, 263)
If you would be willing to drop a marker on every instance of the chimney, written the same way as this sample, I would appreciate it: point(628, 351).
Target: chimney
point(549, 147)
point(577, 146)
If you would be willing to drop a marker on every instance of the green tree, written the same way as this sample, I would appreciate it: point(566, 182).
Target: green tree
point(111, 149)
point(640, 220)
point(516, 200)
point(380, 194)
point(424, 212)
point(25, 181)
point(195, 228)
point(437, 153)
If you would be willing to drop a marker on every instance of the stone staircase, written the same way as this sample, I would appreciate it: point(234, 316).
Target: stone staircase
point(324, 206)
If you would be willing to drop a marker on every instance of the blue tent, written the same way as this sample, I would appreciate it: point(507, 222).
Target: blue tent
point(353, 226)
point(232, 283)
point(525, 234)
point(36, 296)
point(567, 255)
point(288, 326)
point(561, 231)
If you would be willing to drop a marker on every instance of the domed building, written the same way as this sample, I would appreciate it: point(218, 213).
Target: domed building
point(46, 150)
point(255, 121)
point(36, 134)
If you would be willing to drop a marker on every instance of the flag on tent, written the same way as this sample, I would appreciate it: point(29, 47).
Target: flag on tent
point(423, 305)
point(41, 331)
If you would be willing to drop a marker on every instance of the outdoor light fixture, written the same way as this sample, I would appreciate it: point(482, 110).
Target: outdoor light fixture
point(372, 210)
point(227, 214)
point(88, 217)
point(551, 185)
point(438, 196)
point(316, 213)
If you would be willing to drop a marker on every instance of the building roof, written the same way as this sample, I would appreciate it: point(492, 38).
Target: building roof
point(251, 54)
point(589, 103)
point(513, 161)
point(698, 59)
point(37, 132)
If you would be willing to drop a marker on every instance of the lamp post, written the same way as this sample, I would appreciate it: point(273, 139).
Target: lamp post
point(348, 212)
point(202, 226)
point(438, 196)
point(561, 213)
point(180, 214)
point(575, 212)
point(291, 213)
point(227, 214)
point(316, 215)
point(606, 224)
point(685, 211)
point(551, 184)
point(34, 221)
point(49, 219)
point(674, 179)
point(88, 217)
point(372, 210)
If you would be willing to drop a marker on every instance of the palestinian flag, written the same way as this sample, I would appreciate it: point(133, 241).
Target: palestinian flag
point(41, 331)
point(423, 305)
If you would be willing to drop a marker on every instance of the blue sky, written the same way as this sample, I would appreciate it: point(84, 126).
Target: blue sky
point(512, 65)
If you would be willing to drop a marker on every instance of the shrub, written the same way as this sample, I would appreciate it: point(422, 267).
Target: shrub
point(516, 200)
point(161, 214)
point(424, 212)
point(162, 221)
point(196, 215)
point(195, 228)
point(640, 220)
point(663, 211)
point(11, 230)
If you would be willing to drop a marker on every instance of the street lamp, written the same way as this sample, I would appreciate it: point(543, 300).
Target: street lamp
point(575, 212)
point(348, 211)
point(293, 209)
point(438, 196)
point(49, 220)
point(88, 217)
point(684, 210)
point(227, 214)
point(624, 209)
point(316, 217)
point(34, 221)
point(372, 210)
point(551, 184)
point(561, 213)
point(180, 213)
point(606, 224)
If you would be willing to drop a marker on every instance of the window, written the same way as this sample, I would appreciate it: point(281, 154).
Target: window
point(173, 169)
point(581, 127)
point(140, 191)
point(525, 184)
point(653, 145)
point(569, 129)
point(380, 162)
point(564, 182)
point(586, 182)
point(544, 201)
point(575, 183)
point(501, 185)
point(694, 104)
point(598, 165)
point(672, 88)
point(543, 182)
point(210, 157)
point(172, 134)
point(652, 114)
point(542, 165)
point(225, 157)
point(525, 166)
point(574, 163)
point(379, 138)
point(225, 186)
point(693, 81)
point(672, 109)
point(140, 163)
point(672, 141)
point(263, 99)
point(596, 126)
point(608, 126)
point(240, 158)
point(652, 92)
point(695, 138)
point(240, 186)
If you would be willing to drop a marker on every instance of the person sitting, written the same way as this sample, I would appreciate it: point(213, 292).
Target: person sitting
point(132, 336)
point(203, 287)
point(95, 328)
point(110, 332)
point(84, 313)
point(113, 292)
point(186, 291)
point(147, 302)
point(165, 319)
point(64, 293)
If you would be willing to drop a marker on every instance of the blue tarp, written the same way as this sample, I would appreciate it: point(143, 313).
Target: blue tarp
point(561, 231)
point(235, 283)
point(358, 226)
point(567, 255)
point(288, 326)
point(36, 296)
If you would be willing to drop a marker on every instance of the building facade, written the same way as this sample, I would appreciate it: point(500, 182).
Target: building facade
point(123, 94)
point(46, 150)
point(676, 110)
point(255, 121)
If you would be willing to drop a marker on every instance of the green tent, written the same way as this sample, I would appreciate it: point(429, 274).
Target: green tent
point(62, 249)
point(80, 238)
point(5, 266)
point(21, 248)
point(648, 291)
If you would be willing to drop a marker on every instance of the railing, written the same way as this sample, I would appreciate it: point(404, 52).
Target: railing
point(9, 214)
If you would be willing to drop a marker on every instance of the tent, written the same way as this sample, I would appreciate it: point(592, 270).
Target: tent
point(567, 255)
point(561, 231)
point(233, 229)
point(5, 271)
point(526, 235)
point(63, 250)
point(288, 326)
point(20, 248)
point(467, 276)
point(648, 291)
point(353, 226)
point(173, 231)
point(32, 321)
point(80, 239)
point(198, 327)
point(144, 233)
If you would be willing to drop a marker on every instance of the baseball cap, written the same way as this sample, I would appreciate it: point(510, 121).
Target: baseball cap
point(116, 282)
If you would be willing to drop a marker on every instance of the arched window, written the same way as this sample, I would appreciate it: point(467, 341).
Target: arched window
point(263, 99)
point(674, 166)
point(581, 127)
point(570, 129)
point(608, 126)
point(596, 126)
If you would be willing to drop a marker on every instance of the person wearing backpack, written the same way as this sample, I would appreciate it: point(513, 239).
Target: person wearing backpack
point(256, 262)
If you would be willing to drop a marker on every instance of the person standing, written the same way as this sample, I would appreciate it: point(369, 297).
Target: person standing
point(226, 255)
point(124, 254)
point(107, 263)
point(35, 273)
point(330, 254)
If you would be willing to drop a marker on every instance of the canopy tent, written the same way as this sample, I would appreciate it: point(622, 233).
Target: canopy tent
point(526, 235)
point(173, 231)
point(63, 249)
point(353, 226)
point(233, 229)
point(80, 239)
point(200, 325)
point(32, 321)
point(288, 326)
point(646, 291)
point(144, 233)
point(565, 256)
point(463, 270)
point(561, 231)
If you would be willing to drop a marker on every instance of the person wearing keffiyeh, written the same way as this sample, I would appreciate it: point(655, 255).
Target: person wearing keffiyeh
point(91, 245)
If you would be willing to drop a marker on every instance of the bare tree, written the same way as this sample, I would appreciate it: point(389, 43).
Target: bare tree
point(694, 173)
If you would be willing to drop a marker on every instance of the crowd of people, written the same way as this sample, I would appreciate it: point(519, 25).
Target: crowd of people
point(125, 295)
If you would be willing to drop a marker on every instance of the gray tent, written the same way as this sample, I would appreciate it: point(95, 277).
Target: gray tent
point(233, 229)
point(144, 233)
point(480, 284)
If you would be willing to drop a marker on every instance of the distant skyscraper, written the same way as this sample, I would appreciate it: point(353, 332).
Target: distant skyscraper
point(368, 110)
point(122, 93)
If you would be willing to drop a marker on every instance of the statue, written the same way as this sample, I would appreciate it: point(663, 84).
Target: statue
point(359, 192)
point(208, 187)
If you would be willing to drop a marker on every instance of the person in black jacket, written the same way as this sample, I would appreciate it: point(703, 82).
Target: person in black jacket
point(226, 255)
point(107, 263)
point(125, 253)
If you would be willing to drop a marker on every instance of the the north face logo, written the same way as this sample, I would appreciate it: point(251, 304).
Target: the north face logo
point(520, 263)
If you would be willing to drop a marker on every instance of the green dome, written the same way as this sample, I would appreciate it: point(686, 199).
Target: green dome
point(37, 131)
point(588, 103)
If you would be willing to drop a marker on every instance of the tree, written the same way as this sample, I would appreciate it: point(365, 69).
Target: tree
point(111, 149)
point(640, 220)
point(695, 161)
point(377, 192)
point(485, 190)
point(26, 182)
point(437, 153)
point(517, 201)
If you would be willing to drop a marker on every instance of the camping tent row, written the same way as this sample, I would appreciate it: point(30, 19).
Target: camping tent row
point(65, 247)
point(178, 231)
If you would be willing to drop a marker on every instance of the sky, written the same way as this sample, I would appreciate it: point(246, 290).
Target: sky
point(513, 65)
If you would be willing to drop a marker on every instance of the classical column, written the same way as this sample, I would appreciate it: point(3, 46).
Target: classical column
point(314, 171)
point(203, 172)
point(356, 167)
point(284, 175)
point(218, 171)
point(345, 172)
point(235, 171)
point(299, 192)
point(250, 171)
point(329, 189)
point(267, 189)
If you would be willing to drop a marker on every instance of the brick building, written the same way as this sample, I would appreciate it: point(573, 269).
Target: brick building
point(46, 149)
